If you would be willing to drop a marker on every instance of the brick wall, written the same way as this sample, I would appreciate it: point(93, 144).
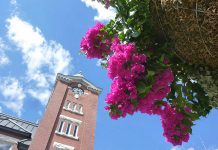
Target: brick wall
point(46, 136)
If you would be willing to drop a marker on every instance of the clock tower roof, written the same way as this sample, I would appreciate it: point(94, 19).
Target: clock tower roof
point(80, 79)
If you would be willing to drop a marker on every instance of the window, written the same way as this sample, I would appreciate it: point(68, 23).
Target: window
point(73, 106)
point(79, 108)
point(68, 128)
point(67, 104)
point(75, 131)
point(61, 126)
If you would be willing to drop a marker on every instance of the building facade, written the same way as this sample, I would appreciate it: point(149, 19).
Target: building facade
point(15, 133)
point(69, 120)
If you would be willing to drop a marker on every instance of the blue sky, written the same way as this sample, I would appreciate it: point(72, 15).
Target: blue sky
point(40, 38)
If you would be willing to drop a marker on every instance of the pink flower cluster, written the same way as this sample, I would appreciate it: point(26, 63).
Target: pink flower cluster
point(125, 67)
point(123, 90)
point(94, 44)
point(125, 62)
point(119, 99)
point(159, 90)
point(175, 130)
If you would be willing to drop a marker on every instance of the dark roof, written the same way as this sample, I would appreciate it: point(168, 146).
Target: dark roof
point(17, 125)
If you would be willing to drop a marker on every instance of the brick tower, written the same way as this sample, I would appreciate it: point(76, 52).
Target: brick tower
point(70, 117)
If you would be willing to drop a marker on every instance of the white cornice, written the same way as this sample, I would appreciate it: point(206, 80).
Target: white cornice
point(63, 146)
point(71, 119)
point(80, 79)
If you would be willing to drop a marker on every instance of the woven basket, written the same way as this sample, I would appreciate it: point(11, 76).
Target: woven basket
point(192, 25)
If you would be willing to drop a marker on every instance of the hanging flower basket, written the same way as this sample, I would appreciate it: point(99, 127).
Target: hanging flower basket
point(192, 27)
point(140, 50)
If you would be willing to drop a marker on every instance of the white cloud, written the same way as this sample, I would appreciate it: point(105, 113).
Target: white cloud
point(212, 148)
point(13, 2)
point(14, 5)
point(43, 59)
point(41, 95)
point(3, 58)
point(103, 13)
point(181, 148)
point(13, 92)
point(176, 148)
point(0, 109)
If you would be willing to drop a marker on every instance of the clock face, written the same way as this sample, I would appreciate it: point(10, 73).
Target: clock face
point(77, 91)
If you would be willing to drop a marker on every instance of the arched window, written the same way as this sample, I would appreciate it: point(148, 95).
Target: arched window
point(71, 127)
point(67, 104)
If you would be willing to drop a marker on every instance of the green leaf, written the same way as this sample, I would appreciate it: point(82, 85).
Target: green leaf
point(134, 102)
point(142, 88)
point(162, 58)
point(121, 36)
point(187, 122)
point(189, 130)
point(150, 73)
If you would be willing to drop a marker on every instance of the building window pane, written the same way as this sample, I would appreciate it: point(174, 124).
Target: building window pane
point(67, 104)
point(75, 131)
point(73, 106)
point(79, 108)
point(61, 126)
point(68, 128)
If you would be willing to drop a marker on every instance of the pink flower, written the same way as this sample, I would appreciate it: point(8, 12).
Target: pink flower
point(159, 90)
point(93, 44)
point(138, 70)
point(116, 65)
point(175, 130)
point(139, 58)
point(125, 61)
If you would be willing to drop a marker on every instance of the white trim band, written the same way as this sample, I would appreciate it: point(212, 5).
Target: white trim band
point(63, 146)
point(71, 119)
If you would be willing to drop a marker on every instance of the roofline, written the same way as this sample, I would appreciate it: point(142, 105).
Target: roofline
point(69, 79)
point(66, 78)
point(21, 133)
point(18, 119)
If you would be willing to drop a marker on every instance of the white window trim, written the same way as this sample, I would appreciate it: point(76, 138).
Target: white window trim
point(63, 146)
point(66, 119)
point(69, 128)
point(76, 131)
point(81, 108)
point(71, 119)
point(61, 127)
point(68, 104)
point(74, 110)
point(74, 107)
point(67, 135)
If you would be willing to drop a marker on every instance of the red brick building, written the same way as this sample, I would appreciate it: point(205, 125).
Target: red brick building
point(69, 120)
